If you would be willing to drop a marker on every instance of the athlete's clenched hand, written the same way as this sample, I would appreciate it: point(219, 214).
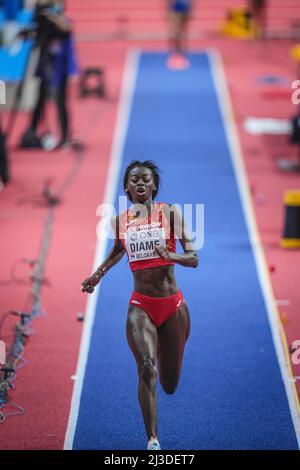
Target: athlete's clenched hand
point(89, 283)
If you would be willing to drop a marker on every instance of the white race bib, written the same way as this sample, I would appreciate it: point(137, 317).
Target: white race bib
point(141, 244)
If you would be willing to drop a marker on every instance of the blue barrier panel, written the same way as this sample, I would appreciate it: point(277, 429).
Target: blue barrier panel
point(12, 8)
point(13, 62)
point(25, 17)
point(2, 16)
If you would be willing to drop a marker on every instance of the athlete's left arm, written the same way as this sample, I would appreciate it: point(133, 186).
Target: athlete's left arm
point(189, 258)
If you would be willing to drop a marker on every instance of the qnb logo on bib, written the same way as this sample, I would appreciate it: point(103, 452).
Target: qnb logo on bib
point(141, 244)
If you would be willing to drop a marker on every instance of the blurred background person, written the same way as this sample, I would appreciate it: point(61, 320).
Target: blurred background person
point(179, 15)
point(56, 63)
point(258, 9)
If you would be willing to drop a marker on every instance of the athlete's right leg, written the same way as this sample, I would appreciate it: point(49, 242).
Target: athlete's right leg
point(183, 32)
point(142, 340)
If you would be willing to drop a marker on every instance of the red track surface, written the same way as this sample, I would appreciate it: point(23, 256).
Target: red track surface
point(44, 387)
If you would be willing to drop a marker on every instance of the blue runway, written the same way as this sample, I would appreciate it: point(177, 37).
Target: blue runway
point(231, 394)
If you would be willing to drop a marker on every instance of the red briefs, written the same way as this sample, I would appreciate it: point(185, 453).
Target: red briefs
point(159, 309)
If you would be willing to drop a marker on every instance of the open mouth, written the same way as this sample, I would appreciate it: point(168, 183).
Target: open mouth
point(141, 190)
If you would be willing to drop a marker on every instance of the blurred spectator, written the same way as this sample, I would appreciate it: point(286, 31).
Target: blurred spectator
point(258, 10)
point(56, 63)
point(29, 4)
point(179, 14)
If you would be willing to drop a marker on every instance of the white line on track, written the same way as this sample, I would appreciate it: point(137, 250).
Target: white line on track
point(223, 96)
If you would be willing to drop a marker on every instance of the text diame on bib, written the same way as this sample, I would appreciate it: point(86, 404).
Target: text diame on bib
point(141, 244)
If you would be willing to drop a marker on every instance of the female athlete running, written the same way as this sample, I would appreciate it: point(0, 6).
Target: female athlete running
point(158, 322)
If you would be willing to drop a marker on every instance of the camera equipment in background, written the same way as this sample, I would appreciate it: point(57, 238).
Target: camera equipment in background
point(97, 75)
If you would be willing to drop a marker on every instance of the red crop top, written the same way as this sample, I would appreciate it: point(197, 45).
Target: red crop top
point(140, 236)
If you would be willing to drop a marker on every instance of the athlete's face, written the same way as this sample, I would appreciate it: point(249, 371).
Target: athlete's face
point(141, 184)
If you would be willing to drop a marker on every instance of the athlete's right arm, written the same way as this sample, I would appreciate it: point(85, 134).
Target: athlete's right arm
point(116, 254)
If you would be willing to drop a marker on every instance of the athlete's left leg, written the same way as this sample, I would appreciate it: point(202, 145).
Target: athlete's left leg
point(172, 336)
point(184, 33)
